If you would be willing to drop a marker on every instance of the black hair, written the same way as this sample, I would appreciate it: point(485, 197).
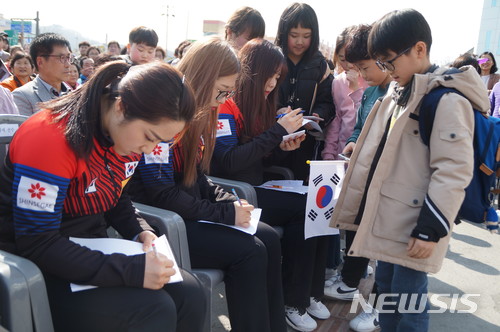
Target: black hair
point(494, 68)
point(148, 92)
point(356, 48)
point(44, 45)
point(19, 56)
point(464, 60)
point(143, 35)
point(397, 31)
point(247, 19)
point(294, 15)
point(84, 43)
point(75, 63)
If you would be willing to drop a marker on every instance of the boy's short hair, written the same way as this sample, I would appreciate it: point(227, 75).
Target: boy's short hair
point(247, 19)
point(464, 60)
point(398, 31)
point(143, 35)
point(356, 48)
point(114, 42)
point(83, 43)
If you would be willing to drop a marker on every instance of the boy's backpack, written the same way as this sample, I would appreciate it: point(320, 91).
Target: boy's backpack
point(477, 205)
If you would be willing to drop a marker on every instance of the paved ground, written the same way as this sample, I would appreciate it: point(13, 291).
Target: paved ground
point(472, 266)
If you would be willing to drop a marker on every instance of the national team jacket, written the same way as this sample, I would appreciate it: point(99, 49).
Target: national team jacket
point(158, 182)
point(244, 162)
point(47, 195)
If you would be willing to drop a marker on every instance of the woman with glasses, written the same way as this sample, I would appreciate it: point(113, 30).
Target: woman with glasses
point(64, 177)
point(487, 70)
point(173, 178)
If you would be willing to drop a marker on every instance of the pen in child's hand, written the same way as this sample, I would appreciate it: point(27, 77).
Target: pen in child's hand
point(237, 197)
point(279, 116)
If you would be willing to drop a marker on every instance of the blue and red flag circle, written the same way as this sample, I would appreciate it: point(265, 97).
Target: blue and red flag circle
point(324, 196)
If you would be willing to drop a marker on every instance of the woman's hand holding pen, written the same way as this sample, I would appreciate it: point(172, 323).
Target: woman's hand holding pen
point(291, 120)
point(242, 213)
point(158, 270)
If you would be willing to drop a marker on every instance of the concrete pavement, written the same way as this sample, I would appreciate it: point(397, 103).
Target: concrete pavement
point(471, 266)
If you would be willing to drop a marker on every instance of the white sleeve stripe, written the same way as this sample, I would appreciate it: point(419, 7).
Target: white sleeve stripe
point(438, 216)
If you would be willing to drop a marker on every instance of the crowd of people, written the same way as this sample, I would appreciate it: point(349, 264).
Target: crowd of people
point(108, 128)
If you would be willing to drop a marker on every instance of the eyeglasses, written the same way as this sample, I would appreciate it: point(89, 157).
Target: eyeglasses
point(388, 65)
point(62, 58)
point(223, 95)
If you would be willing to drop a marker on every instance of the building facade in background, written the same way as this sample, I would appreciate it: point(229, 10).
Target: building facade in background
point(489, 31)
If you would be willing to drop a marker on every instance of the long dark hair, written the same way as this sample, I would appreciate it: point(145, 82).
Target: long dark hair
point(259, 60)
point(293, 15)
point(149, 92)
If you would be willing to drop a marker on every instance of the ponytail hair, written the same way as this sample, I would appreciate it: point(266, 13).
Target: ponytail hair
point(149, 92)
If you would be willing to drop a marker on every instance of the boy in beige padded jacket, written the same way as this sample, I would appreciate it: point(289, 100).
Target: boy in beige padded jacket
point(400, 195)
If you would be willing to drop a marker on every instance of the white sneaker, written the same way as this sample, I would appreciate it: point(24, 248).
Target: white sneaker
point(317, 309)
point(339, 290)
point(331, 280)
point(369, 270)
point(300, 322)
point(366, 321)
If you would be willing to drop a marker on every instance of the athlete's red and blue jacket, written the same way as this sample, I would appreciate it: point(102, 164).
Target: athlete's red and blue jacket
point(244, 162)
point(47, 194)
point(158, 182)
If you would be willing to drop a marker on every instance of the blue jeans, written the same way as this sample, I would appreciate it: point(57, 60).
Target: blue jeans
point(408, 309)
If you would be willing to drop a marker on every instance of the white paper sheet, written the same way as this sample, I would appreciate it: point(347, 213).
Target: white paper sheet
point(293, 186)
point(254, 222)
point(293, 135)
point(110, 246)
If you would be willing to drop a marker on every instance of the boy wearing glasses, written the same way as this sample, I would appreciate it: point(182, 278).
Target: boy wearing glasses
point(400, 195)
point(52, 56)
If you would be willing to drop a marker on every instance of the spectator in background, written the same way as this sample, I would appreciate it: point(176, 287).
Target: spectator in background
point(93, 52)
point(52, 57)
point(160, 53)
point(181, 50)
point(83, 48)
point(495, 100)
point(4, 55)
point(466, 59)
point(488, 68)
point(87, 68)
point(244, 24)
point(74, 75)
point(142, 42)
point(114, 48)
point(104, 58)
point(7, 105)
point(347, 90)
point(308, 82)
point(22, 68)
